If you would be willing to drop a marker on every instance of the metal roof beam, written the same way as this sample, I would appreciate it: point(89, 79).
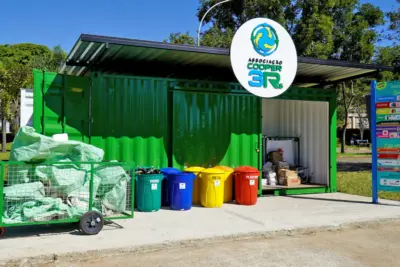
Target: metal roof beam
point(194, 62)
point(218, 51)
point(336, 82)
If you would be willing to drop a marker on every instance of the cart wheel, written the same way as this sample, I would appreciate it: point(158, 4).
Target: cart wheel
point(91, 223)
point(2, 231)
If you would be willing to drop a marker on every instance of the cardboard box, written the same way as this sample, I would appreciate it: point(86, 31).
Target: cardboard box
point(292, 181)
point(287, 173)
point(275, 156)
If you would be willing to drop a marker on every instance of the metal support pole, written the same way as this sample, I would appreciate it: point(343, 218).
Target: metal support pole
point(202, 19)
point(374, 146)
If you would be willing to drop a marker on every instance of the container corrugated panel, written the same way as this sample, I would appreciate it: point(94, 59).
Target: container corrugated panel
point(215, 129)
point(130, 119)
point(37, 100)
point(61, 105)
point(308, 120)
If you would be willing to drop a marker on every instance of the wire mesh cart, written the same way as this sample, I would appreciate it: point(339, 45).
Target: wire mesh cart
point(88, 193)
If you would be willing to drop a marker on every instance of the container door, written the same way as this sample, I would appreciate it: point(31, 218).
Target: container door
point(215, 129)
point(61, 105)
point(130, 119)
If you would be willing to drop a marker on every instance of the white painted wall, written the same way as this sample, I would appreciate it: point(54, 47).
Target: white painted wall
point(8, 126)
point(26, 118)
point(308, 120)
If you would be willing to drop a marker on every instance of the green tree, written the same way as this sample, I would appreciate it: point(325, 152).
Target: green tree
point(388, 55)
point(355, 32)
point(224, 22)
point(180, 38)
point(394, 24)
point(13, 77)
point(355, 36)
point(313, 33)
point(58, 58)
point(17, 62)
point(340, 29)
point(217, 37)
point(49, 62)
point(23, 53)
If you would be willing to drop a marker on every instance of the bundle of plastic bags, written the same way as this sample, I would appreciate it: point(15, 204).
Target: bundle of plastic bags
point(54, 183)
point(29, 146)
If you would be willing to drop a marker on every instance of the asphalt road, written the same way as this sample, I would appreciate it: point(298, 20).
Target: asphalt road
point(374, 246)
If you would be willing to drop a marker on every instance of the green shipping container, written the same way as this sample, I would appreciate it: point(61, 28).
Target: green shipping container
point(215, 129)
point(150, 121)
point(163, 122)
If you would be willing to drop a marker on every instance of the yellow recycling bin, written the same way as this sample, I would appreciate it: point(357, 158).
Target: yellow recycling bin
point(228, 185)
point(212, 187)
point(196, 183)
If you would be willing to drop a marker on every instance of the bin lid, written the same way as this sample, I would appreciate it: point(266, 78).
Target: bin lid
point(185, 174)
point(194, 169)
point(213, 170)
point(169, 170)
point(150, 176)
point(224, 168)
point(247, 169)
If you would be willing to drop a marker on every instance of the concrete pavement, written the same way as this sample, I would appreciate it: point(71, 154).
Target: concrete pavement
point(174, 228)
point(376, 245)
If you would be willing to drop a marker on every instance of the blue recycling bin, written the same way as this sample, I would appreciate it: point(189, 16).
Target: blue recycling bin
point(180, 190)
point(164, 188)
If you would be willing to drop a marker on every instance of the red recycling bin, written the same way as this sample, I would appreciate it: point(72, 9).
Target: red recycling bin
point(246, 185)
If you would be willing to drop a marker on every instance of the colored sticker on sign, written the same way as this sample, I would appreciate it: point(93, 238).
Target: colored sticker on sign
point(388, 105)
point(388, 162)
point(388, 132)
point(388, 98)
point(386, 111)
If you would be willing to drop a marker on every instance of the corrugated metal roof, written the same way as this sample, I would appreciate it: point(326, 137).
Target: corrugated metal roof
point(145, 58)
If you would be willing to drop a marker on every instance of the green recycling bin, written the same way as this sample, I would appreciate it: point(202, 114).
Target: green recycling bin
point(148, 192)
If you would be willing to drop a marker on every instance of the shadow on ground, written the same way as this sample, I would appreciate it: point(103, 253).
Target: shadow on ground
point(343, 201)
point(38, 230)
point(353, 166)
point(49, 230)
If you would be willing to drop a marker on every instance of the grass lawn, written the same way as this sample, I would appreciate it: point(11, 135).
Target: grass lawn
point(360, 183)
point(6, 155)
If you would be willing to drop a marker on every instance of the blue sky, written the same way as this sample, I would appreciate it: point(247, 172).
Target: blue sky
point(43, 21)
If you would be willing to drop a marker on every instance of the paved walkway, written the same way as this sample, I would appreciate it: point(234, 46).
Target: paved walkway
point(166, 226)
point(374, 246)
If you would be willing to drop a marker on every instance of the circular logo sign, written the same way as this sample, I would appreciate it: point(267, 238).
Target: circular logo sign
point(263, 57)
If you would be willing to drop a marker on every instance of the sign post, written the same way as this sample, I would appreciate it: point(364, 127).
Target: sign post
point(385, 129)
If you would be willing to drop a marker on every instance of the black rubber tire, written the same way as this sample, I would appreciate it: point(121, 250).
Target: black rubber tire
point(91, 223)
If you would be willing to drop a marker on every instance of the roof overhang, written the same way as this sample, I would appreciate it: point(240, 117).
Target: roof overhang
point(158, 59)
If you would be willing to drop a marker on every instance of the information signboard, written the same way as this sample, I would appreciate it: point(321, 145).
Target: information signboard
point(385, 129)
